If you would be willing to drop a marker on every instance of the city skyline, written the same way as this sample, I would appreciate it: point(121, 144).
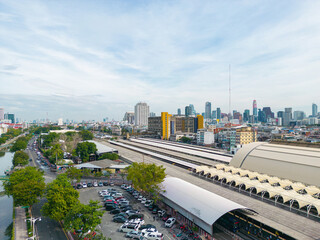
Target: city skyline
point(53, 61)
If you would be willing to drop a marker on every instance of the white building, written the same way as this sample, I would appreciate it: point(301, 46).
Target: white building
point(141, 114)
point(60, 122)
point(1, 114)
point(204, 137)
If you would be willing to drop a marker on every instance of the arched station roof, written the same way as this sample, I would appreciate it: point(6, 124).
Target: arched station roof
point(299, 164)
point(205, 205)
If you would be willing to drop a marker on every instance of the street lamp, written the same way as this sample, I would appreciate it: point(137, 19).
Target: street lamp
point(33, 220)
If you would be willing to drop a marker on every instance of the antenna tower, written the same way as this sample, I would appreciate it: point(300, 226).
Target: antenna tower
point(229, 89)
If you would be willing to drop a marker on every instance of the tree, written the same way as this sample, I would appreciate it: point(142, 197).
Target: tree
point(25, 186)
point(111, 156)
point(20, 158)
point(61, 198)
point(185, 140)
point(84, 149)
point(147, 177)
point(84, 217)
point(74, 173)
point(86, 135)
point(54, 153)
point(20, 144)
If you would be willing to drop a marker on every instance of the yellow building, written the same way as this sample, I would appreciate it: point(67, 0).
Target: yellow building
point(200, 121)
point(245, 135)
point(165, 125)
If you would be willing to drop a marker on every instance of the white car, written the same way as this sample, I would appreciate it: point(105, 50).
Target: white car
point(154, 236)
point(95, 184)
point(128, 227)
point(148, 230)
point(143, 200)
point(84, 185)
point(148, 203)
point(169, 223)
point(140, 198)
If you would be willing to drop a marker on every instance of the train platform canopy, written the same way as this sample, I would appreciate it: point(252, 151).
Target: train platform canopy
point(101, 148)
point(198, 205)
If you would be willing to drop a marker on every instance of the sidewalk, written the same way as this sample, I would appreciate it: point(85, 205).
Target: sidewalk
point(20, 224)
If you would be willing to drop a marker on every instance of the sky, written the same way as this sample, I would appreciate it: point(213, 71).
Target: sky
point(86, 60)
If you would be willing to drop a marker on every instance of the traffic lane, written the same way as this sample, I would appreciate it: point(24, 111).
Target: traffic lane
point(47, 228)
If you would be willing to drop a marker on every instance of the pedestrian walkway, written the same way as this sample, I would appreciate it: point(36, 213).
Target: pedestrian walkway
point(20, 224)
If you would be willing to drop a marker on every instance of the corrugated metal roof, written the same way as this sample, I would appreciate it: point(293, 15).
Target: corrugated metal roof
point(101, 148)
point(205, 205)
point(298, 164)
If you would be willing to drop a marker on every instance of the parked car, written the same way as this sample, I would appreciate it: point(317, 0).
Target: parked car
point(148, 230)
point(136, 221)
point(110, 206)
point(84, 185)
point(100, 184)
point(120, 219)
point(154, 236)
point(124, 203)
point(90, 184)
point(148, 203)
point(170, 221)
point(132, 211)
point(166, 217)
point(161, 213)
point(95, 184)
point(121, 214)
point(115, 211)
point(133, 234)
point(136, 215)
point(79, 186)
point(105, 183)
point(146, 226)
point(143, 200)
point(128, 227)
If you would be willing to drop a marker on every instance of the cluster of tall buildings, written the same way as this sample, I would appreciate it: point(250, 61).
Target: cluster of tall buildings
point(6, 117)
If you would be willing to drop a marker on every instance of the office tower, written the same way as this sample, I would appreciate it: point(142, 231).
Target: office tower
point(262, 116)
point(141, 114)
point(1, 114)
point(187, 111)
point(129, 117)
point(267, 111)
point(179, 111)
point(314, 109)
point(214, 114)
point(152, 114)
point(192, 110)
point(255, 109)
point(287, 116)
point(9, 116)
point(246, 115)
point(298, 115)
point(207, 114)
point(218, 113)
point(280, 114)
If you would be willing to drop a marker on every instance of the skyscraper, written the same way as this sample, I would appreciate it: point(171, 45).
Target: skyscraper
point(298, 115)
point(208, 110)
point(1, 114)
point(192, 110)
point(187, 111)
point(246, 115)
point(255, 109)
point(214, 114)
point(314, 109)
point(10, 117)
point(141, 114)
point(268, 112)
point(179, 111)
point(287, 116)
point(218, 113)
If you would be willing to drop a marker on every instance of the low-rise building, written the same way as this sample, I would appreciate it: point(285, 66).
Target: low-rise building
point(205, 137)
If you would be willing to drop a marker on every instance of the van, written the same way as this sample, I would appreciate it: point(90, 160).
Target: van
point(128, 227)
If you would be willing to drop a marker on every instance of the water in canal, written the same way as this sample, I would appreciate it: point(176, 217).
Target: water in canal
point(5, 201)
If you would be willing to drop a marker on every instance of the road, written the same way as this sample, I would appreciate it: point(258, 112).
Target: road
point(46, 228)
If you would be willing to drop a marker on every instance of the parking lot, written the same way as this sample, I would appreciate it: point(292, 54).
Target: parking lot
point(110, 228)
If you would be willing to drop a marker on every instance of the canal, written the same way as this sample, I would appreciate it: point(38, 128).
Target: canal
point(5, 201)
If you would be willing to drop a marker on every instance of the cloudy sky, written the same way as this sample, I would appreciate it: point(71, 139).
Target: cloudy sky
point(86, 60)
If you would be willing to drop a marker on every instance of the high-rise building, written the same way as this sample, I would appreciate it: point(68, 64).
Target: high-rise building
point(187, 111)
point(179, 111)
point(141, 114)
point(193, 111)
point(218, 113)
point(280, 114)
point(129, 117)
point(1, 114)
point(214, 114)
point(207, 114)
point(254, 108)
point(165, 124)
point(152, 114)
point(287, 116)
point(246, 115)
point(314, 109)
point(267, 111)
point(262, 116)
point(298, 115)
point(9, 116)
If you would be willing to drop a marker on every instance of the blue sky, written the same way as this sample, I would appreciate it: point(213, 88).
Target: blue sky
point(95, 59)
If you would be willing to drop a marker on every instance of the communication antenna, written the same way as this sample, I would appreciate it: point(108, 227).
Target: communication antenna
point(230, 89)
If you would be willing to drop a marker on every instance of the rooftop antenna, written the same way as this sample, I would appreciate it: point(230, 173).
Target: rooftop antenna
point(230, 89)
